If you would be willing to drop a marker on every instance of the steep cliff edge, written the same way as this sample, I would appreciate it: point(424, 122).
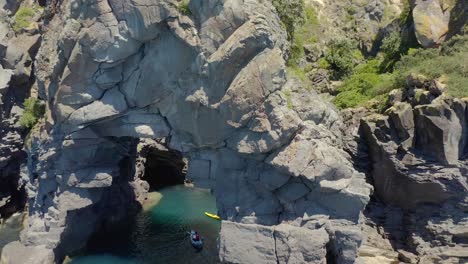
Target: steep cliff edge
point(17, 53)
point(419, 167)
point(212, 83)
point(296, 180)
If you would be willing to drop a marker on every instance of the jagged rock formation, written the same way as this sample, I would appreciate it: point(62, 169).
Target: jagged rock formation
point(415, 155)
point(419, 163)
point(361, 20)
point(418, 166)
point(213, 85)
point(16, 58)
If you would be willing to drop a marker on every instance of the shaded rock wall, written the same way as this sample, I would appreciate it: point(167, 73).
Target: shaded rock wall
point(419, 166)
point(17, 53)
point(211, 84)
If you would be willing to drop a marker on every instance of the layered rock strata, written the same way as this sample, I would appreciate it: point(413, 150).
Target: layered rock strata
point(419, 166)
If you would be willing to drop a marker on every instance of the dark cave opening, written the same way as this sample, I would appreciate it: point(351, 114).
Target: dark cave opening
point(13, 196)
point(162, 166)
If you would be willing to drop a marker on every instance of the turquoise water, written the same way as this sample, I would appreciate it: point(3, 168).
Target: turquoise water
point(10, 230)
point(159, 235)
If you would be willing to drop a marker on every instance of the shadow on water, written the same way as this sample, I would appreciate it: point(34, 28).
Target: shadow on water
point(159, 235)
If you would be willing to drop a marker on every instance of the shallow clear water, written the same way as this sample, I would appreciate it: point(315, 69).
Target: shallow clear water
point(159, 235)
point(10, 230)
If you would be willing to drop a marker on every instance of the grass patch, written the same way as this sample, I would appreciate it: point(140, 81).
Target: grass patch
point(289, 102)
point(33, 110)
point(366, 83)
point(184, 8)
point(22, 18)
point(451, 61)
point(311, 16)
point(297, 72)
point(305, 34)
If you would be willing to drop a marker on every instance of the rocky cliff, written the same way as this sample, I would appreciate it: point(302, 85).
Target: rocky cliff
point(418, 166)
point(212, 82)
point(291, 176)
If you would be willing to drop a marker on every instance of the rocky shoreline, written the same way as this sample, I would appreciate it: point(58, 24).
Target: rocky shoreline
point(295, 179)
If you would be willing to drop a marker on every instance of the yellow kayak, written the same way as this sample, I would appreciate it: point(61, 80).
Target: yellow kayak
point(213, 216)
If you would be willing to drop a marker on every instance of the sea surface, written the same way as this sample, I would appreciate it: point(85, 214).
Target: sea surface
point(159, 233)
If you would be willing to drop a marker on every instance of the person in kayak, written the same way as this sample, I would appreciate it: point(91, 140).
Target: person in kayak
point(196, 236)
point(196, 240)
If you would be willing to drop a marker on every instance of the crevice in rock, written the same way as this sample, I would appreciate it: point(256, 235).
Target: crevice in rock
point(276, 251)
point(12, 193)
point(330, 256)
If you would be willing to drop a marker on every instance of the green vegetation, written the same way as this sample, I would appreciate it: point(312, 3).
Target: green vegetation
point(342, 56)
point(33, 110)
point(287, 94)
point(369, 81)
point(184, 8)
point(298, 72)
point(392, 50)
point(366, 83)
point(291, 13)
point(23, 18)
point(323, 64)
point(305, 34)
point(406, 16)
point(311, 16)
point(450, 62)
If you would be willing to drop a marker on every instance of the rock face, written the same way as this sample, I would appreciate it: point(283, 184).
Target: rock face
point(419, 164)
point(431, 21)
point(281, 244)
point(213, 85)
point(16, 57)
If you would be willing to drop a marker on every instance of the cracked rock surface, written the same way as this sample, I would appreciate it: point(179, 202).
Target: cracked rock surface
point(213, 85)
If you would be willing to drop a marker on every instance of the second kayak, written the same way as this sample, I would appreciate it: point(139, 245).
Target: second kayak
point(213, 216)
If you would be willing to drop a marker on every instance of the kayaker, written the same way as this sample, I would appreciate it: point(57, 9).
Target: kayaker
point(196, 236)
point(196, 240)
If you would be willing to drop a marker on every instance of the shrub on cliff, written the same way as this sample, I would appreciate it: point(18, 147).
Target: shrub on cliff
point(291, 13)
point(392, 50)
point(342, 56)
point(184, 8)
point(33, 110)
point(303, 35)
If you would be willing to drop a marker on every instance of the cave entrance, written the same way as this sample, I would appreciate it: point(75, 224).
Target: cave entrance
point(160, 166)
point(158, 232)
